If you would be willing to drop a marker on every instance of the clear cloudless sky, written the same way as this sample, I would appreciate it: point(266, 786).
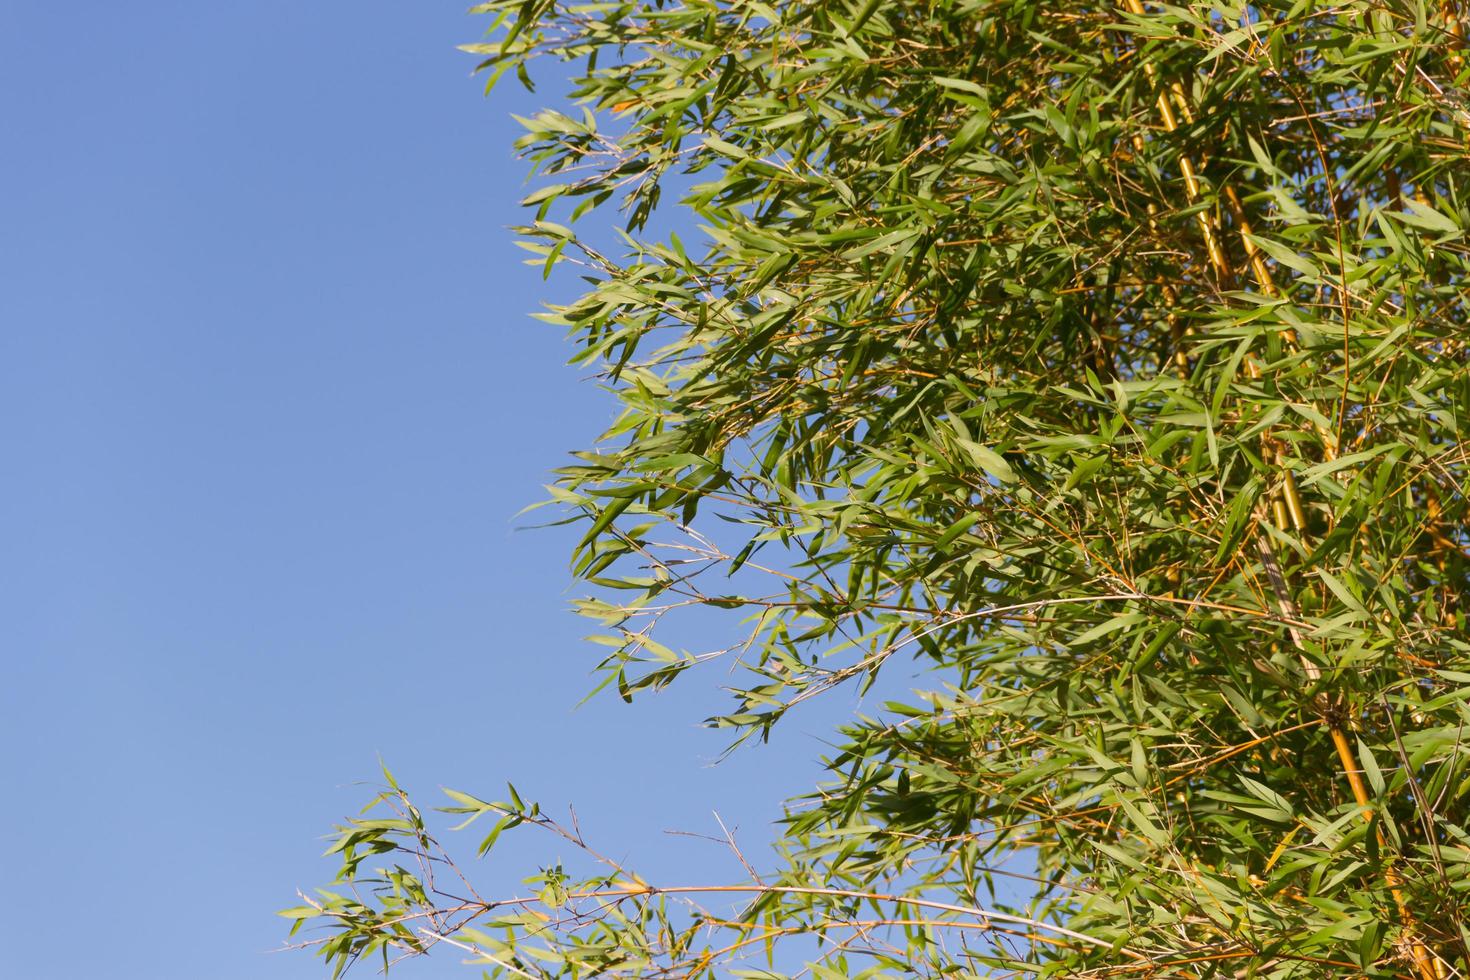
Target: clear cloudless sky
point(270, 400)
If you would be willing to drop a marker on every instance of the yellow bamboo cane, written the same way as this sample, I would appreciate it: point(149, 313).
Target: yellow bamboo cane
point(1288, 505)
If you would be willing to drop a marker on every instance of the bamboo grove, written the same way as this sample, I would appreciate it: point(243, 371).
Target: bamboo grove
point(1104, 360)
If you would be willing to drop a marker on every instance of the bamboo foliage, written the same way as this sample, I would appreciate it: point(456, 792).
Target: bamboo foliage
point(1106, 362)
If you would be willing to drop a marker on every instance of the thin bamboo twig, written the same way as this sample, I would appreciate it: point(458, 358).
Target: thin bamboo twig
point(983, 914)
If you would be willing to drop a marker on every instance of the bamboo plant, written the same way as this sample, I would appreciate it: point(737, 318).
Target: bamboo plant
point(1105, 360)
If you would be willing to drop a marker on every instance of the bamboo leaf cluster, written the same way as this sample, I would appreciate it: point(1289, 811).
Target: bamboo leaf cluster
point(1105, 360)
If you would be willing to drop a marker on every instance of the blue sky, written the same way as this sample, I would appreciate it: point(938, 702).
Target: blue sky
point(270, 398)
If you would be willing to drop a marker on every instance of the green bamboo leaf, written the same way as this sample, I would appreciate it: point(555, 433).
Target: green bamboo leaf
point(1371, 772)
point(988, 460)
